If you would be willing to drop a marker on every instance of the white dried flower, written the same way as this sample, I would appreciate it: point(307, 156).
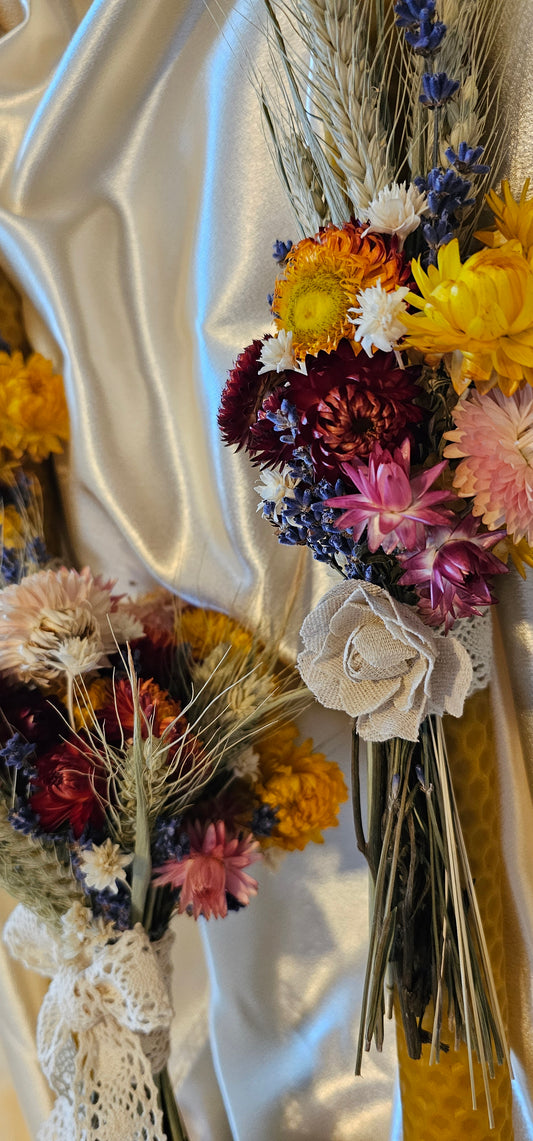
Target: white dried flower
point(277, 354)
point(103, 864)
point(59, 622)
point(396, 210)
point(274, 487)
point(80, 931)
point(378, 317)
point(246, 764)
point(374, 658)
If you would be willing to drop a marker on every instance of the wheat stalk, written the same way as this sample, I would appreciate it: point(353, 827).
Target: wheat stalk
point(34, 873)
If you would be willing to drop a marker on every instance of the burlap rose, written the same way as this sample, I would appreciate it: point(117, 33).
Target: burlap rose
point(375, 658)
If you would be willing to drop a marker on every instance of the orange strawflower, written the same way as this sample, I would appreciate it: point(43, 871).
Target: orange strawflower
point(33, 409)
point(304, 788)
point(321, 279)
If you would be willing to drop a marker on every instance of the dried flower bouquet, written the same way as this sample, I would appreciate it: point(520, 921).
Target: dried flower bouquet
point(389, 411)
point(148, 760)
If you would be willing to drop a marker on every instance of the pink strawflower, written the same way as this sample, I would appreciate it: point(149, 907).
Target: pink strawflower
point(451, 574)
point(395, 509)
point(213, 867)
point(494, 440)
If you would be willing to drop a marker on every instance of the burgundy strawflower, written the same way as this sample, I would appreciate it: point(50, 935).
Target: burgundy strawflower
point(29, 713)
point(69, 789)
point(242, 396)
point(349, 403)
point(452, 574)
point(393, 507)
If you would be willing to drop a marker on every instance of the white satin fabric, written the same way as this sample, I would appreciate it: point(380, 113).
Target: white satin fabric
point(138, 206)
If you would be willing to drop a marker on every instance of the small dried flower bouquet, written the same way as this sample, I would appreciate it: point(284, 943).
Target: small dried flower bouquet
point(148, 758)
point(390, 412)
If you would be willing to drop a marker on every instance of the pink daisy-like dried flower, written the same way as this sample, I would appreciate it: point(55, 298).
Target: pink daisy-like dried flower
point(213, 867)
point(452, 573)
point(60, 623)
point(395, 508)
point(494, 440)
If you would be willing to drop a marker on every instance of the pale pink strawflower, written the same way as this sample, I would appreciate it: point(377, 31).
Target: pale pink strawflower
point(215, 865)
point(393, 507)
point(60, 623)
point(494, 440)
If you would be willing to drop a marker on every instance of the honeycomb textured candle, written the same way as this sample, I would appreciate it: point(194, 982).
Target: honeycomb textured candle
point(436, 1100)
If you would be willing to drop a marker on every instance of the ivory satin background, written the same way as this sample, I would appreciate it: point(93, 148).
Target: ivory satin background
point(138, 206)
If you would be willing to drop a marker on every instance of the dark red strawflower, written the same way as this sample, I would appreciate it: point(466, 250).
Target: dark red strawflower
point(69, 789)
point(349, 403)
point(26, 711)
point(243, 395)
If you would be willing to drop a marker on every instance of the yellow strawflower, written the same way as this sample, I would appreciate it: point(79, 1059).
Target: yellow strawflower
point(11, 529)
point(480, 311)
point(302, 785)
point(33, 410)
point(520, 553)
point(513, 219)
point(206, 629)
point(98, 693)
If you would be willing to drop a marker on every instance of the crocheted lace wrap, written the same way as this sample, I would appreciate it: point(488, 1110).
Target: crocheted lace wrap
point(102, 1032)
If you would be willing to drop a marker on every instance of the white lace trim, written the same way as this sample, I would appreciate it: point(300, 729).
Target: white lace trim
point(475, 634)
point(102, 1032)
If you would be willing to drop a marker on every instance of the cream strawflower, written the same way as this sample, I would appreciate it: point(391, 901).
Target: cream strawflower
point(80, 931)
point(103, 864)
point(396, 210)
point(274, 486)
point(277, 354)
point(246, 765)
point(60, 622)
point(378, 318)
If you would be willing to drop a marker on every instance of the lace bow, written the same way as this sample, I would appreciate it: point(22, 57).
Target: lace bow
point(102, 1032)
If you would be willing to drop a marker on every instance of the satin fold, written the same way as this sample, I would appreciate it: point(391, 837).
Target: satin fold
point(138, 207)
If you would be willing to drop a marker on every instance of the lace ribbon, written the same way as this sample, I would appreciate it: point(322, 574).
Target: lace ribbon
point(102, 1032)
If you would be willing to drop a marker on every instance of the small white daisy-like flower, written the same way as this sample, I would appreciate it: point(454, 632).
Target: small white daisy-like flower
point(103, 864)
point(246, 764)
point(277, 353)
point(274, 486)
point(396, 210)
point(378, 318)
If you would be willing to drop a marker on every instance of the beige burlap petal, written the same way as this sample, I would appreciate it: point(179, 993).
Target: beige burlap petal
point(374, 658)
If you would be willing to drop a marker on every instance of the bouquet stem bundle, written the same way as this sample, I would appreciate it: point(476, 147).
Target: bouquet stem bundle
point(426, 936)
point(435, 1100)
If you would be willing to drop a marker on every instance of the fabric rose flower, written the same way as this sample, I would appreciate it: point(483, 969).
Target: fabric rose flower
point(375, 658)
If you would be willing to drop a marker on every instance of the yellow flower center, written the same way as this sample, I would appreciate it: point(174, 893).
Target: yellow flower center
point(315, 304)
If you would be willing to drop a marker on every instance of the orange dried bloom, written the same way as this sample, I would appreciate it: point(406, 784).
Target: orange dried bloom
point(33, 409)
point(321, 279)
point(304, 787)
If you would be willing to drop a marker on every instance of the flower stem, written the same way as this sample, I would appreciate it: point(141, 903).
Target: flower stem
point(173, 1124)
